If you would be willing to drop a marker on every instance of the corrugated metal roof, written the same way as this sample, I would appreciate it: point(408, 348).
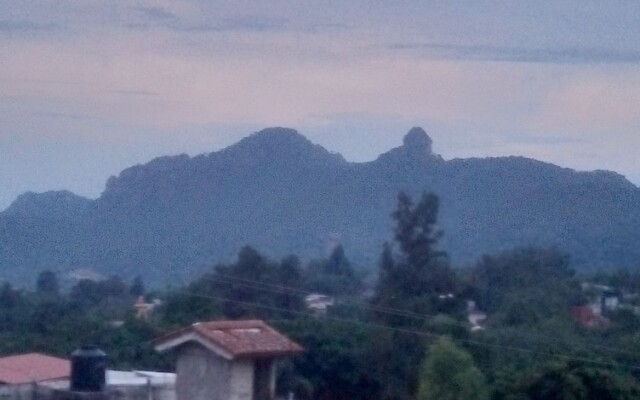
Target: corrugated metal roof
point(139, 378)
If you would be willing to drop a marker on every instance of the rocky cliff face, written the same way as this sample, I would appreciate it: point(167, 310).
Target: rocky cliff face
point(279, 192)
point(416, 148)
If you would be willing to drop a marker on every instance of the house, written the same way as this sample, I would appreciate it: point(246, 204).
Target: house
point(144, 309)
point(610, 300)
point(34, 375)
point(318, 303)
point(18, 373)
point(604, 299)
point(587, 317)
point(86, 274)
point(227, 360)
point(32, 367)
point(476, 318)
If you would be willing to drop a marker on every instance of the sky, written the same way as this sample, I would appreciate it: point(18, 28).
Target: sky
point(90, 87)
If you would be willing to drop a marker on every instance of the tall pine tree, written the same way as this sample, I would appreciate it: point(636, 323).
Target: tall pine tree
point(414, 281)
point(415, 278)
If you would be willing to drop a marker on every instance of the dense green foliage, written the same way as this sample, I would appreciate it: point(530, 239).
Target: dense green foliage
point(449, 373)
point(404, 337)
point(419, 278)
point(276, 190)
point(333, 276)
point(516, 285)
point(416, 279)
point(92, 312)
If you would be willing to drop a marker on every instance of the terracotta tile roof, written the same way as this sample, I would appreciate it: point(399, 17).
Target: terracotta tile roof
point(585, 316)
point(25, 368)
point(251, 338)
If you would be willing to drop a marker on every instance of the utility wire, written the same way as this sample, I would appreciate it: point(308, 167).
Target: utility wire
point(282, 289)
point(422, 333)
point(353, 300)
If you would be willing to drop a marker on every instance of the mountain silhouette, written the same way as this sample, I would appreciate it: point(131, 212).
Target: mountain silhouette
point(277, 191)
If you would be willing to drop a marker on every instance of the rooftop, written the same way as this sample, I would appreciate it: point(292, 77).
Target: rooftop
point(26, 368)
point(139, 378)
point(232, 339)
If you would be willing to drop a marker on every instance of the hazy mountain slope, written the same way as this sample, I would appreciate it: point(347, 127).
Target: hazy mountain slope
point(282, 194)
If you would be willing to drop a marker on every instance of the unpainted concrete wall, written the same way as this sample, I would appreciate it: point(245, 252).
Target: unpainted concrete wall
point(202, 375)
point(241, 380)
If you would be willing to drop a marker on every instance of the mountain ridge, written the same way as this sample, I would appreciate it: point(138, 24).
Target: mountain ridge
point(281, 193)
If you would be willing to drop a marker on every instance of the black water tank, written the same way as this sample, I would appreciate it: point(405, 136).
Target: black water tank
point(88, 369)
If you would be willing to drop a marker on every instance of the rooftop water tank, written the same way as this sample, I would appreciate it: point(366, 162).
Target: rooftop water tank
point(88, 369)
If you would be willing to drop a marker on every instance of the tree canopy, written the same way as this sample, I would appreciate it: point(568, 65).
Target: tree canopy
point(449, 373)
point(416, 278)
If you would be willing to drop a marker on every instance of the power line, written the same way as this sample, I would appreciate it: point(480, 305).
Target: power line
point(422, 333)
point(282, 289)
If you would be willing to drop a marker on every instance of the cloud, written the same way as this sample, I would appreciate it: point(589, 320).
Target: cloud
point(600, 102)
point(247, 23)
point(158, 14)
point(184, 77)
point(70, 116)
point(128, 92)
point(570, 55)
point(529, 139)
point(22, 26)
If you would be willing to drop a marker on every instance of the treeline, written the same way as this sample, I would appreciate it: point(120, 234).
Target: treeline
point(403, 334)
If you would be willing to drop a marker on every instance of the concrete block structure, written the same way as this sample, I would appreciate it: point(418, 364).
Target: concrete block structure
point(227, 360)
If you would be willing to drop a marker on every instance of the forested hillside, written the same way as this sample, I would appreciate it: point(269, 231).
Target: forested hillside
point(519, 324)
point(280, 193)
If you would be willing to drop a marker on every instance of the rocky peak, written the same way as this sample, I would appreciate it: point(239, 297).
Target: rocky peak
point(281, 145)
point(417, 142)
point(416, 147)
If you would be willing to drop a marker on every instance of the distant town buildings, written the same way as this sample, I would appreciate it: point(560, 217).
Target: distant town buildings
point(475, 317)
point(318, 303)
point(603, 300)
point(143, 309)
point(217, 360)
